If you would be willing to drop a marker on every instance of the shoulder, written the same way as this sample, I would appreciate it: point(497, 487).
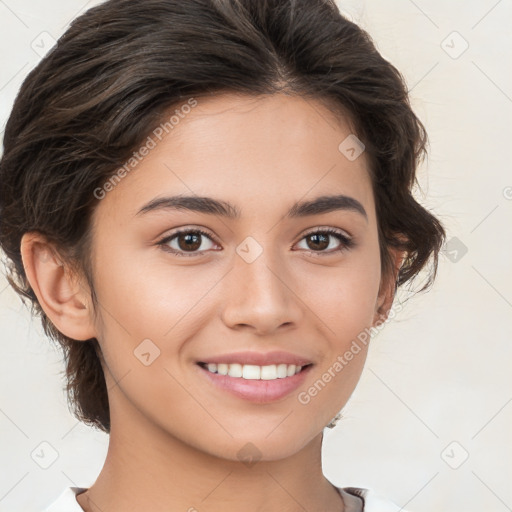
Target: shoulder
point(373, 502)
point(66, 502)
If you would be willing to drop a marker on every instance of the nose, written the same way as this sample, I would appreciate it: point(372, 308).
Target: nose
point(261, 296)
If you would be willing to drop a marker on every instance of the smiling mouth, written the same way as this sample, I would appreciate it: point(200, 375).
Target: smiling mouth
point(254, 372)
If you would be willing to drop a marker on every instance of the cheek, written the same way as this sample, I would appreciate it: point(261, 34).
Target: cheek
point(342, 298)
point(143, 297)
point(148, 313)
point(344, 302)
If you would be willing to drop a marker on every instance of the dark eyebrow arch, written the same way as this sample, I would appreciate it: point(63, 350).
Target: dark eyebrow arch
point(211, 206)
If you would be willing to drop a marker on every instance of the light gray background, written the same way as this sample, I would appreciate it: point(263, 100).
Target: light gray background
point(437, 384)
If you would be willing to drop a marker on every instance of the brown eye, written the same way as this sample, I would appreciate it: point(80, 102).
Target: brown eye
point(320, 240)
point(189, 241)
point(186, 241)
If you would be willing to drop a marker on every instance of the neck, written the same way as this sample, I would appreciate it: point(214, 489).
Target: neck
point(148, 469)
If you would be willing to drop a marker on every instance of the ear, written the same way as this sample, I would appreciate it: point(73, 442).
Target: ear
point(388, 287)
point(65, 300)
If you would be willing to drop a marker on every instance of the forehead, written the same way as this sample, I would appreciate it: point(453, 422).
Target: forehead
point(254, 152)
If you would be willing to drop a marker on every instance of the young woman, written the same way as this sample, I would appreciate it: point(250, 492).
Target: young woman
point(208, 202)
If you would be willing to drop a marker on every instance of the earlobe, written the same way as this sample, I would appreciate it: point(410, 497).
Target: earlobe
point(63, 299)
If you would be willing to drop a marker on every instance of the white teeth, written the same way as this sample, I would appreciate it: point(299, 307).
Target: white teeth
point(235, 370)
point(282, 370)
point(254, 372)
point(290, 370)
point(222, 369)
point(269, 372)
point(251, 371)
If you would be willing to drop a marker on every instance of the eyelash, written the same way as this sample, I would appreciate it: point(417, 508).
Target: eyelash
point(347, 243)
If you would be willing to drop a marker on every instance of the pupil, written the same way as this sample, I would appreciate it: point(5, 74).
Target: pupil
point(193, 238)
point(323, 239)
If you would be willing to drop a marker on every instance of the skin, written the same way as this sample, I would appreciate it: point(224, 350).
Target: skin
point(174, 436)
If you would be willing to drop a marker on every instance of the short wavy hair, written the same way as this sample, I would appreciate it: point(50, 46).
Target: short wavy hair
point(121, 66)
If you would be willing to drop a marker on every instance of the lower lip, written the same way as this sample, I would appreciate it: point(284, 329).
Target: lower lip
point(256, 390)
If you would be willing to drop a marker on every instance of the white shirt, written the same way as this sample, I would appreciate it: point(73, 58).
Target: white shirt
point(66, 502)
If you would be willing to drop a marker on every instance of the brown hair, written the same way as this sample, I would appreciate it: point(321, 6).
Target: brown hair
point(121, 66)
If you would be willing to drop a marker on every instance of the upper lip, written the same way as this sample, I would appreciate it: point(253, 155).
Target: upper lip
point(258, 358)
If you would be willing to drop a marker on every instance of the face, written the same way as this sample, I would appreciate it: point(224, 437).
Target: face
point(262, 288)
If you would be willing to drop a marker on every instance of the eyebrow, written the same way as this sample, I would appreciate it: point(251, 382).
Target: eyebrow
point(211, 206)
